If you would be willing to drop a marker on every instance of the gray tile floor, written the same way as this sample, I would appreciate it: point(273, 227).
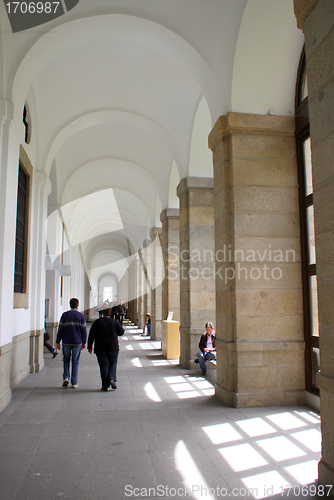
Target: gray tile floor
point(162, 434)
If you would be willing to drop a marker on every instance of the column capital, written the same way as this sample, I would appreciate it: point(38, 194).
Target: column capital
point(302, 9)
point(146, 243)
point(250, 124)
point(6, 111)
point(194, 183)
point(154, 231)
point(169, 213)
point(42, 180)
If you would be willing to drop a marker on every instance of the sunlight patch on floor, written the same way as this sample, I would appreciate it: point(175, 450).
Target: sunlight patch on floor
point(222, 433)
point(286, 421)
point(192, 477)
point(266, 484)
point(280, 448)
point(136, 362)
point(151, 393)
point(242, 457)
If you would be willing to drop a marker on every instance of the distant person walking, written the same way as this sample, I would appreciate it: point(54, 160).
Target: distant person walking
point(52, 349)
point(104, 334)
point(121, 312)
point(73, 335)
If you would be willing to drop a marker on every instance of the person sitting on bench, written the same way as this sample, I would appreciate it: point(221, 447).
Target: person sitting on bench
point(207, 345)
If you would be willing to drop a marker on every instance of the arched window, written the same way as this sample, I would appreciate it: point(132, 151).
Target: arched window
point(27, 123)
point(309, 271)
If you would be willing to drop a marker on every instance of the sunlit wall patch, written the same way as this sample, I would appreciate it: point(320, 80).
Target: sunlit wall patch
point(28, 14)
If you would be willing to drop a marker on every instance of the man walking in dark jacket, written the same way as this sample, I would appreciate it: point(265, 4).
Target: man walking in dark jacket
point(104, 334)
point(73, 335)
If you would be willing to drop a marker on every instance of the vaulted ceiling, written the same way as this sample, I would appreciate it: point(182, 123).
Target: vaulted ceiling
point(123, 94)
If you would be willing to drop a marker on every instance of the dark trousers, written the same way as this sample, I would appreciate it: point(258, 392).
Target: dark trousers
point(47, 345)
point(108, 364)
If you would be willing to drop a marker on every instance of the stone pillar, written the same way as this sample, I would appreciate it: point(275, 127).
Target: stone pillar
point(40, 193)
point(139, 293)
point(132, 297)
point(170, 240)
point(147, 269)
point(260, 341)
point(10, 138)
point(316, 18)
point(156, 293)
point(197, 260)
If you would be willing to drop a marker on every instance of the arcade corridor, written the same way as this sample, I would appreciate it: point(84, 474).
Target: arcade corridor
point(161, 429)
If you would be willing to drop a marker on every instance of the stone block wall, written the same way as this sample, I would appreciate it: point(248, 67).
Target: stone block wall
point(197, 260)
point(260, 346)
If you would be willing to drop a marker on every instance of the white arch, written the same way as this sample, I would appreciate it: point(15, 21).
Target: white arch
point(113, 116)
point(112, 29)
point(173, 201)
point(200, 161)
point(266, 58)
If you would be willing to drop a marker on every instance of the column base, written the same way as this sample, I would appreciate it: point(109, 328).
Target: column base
point(5, 399)
point(265, 398)
point(326, 476)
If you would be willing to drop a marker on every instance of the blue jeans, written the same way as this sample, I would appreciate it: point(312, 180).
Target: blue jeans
point(74, 352)
point(107, 363)
point(205, 356)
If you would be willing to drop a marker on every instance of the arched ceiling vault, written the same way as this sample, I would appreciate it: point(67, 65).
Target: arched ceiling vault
point(114, 88)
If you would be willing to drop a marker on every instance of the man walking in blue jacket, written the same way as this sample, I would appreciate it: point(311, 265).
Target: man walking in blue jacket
point(73, 335)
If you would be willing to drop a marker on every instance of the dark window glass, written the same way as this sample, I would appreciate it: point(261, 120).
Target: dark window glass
point(310, 288)
point(27, 123)
point(21, 223)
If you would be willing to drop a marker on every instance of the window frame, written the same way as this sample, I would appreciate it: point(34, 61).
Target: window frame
point(302, 133)
point(21, 300)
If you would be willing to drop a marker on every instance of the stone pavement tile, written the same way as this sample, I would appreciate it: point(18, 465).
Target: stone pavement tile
point(97, 404)
point(132, 403)
point(127, 417)
point(68, 429)
point(166, 419)
point(22, 430)
point(12, 407)
point(121, 459)
point(121, 486)
point(18, 445)
point(60, 464)
point(170, 451)
point(12, 466)
point(200, 483)
point(51, 486)
point(198, 418)
point(9, 487)
point(125, 440)
point(22, 417)
point(44, 406)
point(20, 394)
point(4, 419)
point(65, 444)
point(77, 416)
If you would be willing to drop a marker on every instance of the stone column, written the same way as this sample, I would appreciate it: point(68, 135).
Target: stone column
point(156, 293)
point(132, 297)
point(10, 138)
point(139, 292)
point(260, 341)
point(197, 284)
point(40, 193)
point(147, 270)
point(316, 18)
point(170, 240)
